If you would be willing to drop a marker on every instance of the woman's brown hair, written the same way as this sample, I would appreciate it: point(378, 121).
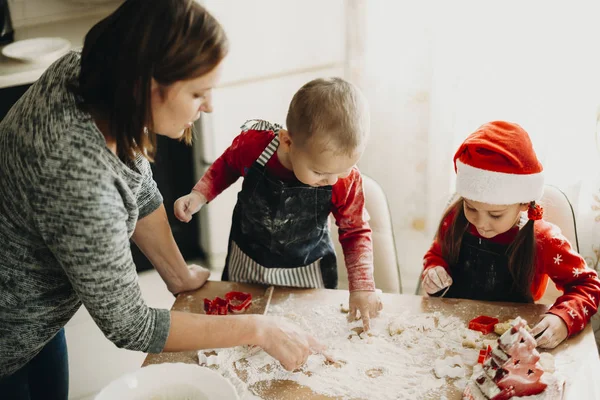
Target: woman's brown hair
point(521, 252)
point(168, 40)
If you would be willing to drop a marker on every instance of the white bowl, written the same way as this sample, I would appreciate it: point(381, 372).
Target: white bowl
point(170, 382)
point(38, 49)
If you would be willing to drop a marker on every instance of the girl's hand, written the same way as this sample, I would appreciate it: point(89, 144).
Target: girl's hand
point(436, 279)
point(286, 342)
point(552, 330)
point(188, 205)
point(364, 305)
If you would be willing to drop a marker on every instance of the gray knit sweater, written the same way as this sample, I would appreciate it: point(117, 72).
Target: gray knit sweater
point(68, 207)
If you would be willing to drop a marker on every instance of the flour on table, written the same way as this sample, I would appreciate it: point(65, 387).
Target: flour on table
point(452, 367)
point(405, 356)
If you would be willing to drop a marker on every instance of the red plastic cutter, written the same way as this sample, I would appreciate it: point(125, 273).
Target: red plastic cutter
point(238, 301)
point(483, 324)
point(235, 302)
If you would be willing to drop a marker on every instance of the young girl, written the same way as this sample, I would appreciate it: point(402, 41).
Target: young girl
point(487, 249)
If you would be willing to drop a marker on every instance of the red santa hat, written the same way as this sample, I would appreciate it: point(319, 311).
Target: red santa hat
point(496, 164)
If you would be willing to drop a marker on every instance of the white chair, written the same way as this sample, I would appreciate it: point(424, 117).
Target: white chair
point(559, 211)
point(385, 260)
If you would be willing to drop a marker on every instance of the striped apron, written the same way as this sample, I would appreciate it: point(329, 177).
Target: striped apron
point(280, 233)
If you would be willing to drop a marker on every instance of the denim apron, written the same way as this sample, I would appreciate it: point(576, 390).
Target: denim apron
point(482, 273)
point(280, 233)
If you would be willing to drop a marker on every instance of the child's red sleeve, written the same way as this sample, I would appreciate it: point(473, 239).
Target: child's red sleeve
point(570, 273)
point(354, 231)
point(232, 164)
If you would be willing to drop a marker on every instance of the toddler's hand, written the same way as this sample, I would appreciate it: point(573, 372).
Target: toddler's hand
point(436, 279)
point(365, 305)
point(553, 331)
point(188, 205)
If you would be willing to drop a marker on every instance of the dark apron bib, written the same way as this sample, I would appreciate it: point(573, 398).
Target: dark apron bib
point(482, 272)
point(280, 233)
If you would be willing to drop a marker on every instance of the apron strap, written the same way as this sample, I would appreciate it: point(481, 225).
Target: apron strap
point(262, 125)
point(268, 152)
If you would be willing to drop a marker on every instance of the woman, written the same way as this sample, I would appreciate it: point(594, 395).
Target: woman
point(76, 184)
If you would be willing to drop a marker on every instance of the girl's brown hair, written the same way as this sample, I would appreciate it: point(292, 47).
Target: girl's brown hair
point(168, 40)
point(521, 252)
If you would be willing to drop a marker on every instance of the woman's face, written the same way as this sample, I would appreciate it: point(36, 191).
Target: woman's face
point(177, 106)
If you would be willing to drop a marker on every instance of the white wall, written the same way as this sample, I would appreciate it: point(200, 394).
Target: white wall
point(397, 82)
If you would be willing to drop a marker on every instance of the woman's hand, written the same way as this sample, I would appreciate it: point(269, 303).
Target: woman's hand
point(188, 205)
point(436, 279)
point(552, 330)
point(197, 278)
point(286, 342)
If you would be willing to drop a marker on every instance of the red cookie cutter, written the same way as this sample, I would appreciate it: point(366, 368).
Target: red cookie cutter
point(235, 302)
point(483, 324)
point(238, 301)
point(218, 306)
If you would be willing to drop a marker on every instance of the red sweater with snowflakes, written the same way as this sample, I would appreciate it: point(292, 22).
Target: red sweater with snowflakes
point(347, 202)
point(555, 259)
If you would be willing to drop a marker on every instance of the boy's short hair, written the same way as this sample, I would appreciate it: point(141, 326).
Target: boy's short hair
point(333, 109)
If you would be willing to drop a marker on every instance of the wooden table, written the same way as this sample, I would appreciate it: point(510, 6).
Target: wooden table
point(579, 353)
